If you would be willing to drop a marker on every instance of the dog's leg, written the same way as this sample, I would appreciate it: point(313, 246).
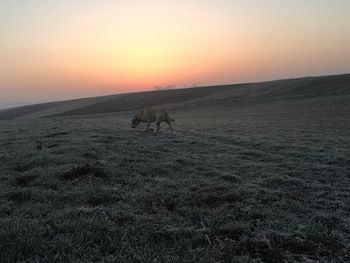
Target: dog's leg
point(148, 125)
point(171, 128)
point(158, 126)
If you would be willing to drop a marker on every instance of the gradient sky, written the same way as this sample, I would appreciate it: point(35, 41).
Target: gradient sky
point(52, 50)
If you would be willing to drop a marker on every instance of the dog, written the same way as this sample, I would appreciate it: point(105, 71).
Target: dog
point(150, 115)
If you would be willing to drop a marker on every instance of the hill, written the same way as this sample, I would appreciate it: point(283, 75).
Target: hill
point(239, 93)
point(50, 108)
point(255, 173)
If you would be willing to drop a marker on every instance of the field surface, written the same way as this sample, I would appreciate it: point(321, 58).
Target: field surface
point(248, 177)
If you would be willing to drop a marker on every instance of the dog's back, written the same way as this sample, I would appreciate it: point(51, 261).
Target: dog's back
point(158, 114)
point(161, 114)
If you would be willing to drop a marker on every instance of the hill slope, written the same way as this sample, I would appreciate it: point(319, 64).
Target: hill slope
point(239, 93)
point(254, 173)
point(248, 178)
point(50, 108)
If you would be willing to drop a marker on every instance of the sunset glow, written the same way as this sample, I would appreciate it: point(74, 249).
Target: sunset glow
point(54, 50)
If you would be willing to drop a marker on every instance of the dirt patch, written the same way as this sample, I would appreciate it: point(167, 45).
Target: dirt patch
point(24, 180)
point(19, 196)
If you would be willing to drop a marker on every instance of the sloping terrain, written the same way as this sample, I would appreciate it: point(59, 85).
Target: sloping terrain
point(239, 93)
point(258, 183)
point(50, 108)
point(255, 173)
point(25, 110)
point(151, 98)
point(68, 105)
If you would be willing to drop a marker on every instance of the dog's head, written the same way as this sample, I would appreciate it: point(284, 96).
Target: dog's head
point(135, 122)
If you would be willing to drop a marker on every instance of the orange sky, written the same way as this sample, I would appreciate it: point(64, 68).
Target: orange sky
point(52, 50)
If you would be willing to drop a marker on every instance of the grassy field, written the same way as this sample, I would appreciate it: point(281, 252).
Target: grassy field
point(240, 182)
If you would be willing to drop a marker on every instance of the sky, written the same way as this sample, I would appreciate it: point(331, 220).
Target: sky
point(54, 50)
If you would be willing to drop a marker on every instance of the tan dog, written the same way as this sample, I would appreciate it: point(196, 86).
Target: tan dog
point(150, 115)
